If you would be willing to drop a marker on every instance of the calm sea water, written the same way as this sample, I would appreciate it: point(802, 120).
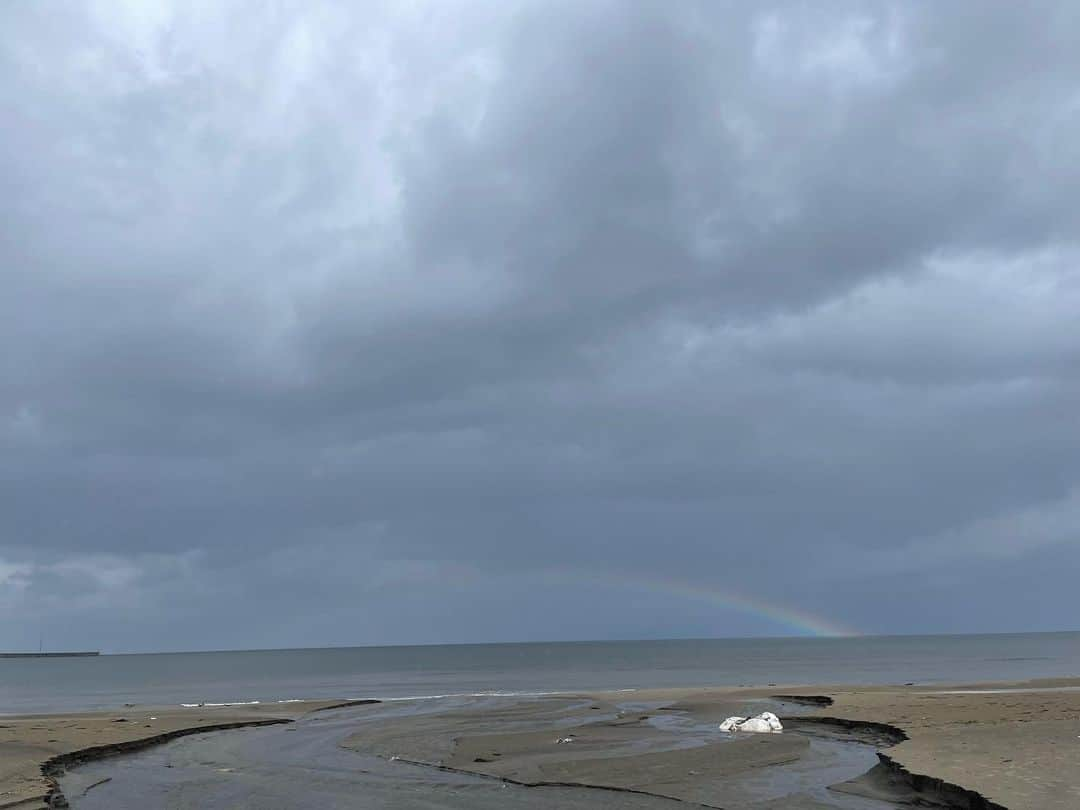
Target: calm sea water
point(64, 684)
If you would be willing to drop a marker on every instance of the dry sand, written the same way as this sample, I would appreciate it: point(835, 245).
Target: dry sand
point(1010, 745)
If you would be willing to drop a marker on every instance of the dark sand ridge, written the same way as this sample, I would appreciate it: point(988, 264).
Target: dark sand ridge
point(1015, 745)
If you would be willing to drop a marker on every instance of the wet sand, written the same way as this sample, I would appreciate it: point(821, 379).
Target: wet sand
point(985, 745)
point(619, 741)
point(1011, 745)
point(304, 764)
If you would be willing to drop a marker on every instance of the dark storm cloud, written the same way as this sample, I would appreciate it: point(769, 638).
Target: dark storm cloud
point(388, 312)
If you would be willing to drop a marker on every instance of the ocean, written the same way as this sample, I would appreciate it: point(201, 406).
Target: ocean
point(164, 679)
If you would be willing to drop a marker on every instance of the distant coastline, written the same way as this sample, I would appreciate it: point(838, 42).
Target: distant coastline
point(77, 654)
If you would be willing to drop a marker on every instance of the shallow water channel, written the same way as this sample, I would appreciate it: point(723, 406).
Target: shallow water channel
point(303, 765)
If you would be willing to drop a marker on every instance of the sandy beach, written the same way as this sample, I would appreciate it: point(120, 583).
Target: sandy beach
point(1011, 745)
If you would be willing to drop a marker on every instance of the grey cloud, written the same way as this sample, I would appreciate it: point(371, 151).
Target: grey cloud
point(671, 289)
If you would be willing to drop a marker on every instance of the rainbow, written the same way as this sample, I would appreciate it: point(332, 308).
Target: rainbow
point(802, 622)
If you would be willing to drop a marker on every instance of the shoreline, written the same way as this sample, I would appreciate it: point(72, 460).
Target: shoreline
point(985, 746)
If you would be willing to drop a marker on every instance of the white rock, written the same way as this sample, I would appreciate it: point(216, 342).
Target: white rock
point(764, 723)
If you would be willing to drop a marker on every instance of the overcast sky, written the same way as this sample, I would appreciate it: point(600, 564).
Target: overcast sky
point(409, 322)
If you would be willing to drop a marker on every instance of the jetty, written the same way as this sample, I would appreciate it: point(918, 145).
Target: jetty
point(78, 654)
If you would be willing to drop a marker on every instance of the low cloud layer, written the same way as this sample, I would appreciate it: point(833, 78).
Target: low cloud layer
point(358, 325)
